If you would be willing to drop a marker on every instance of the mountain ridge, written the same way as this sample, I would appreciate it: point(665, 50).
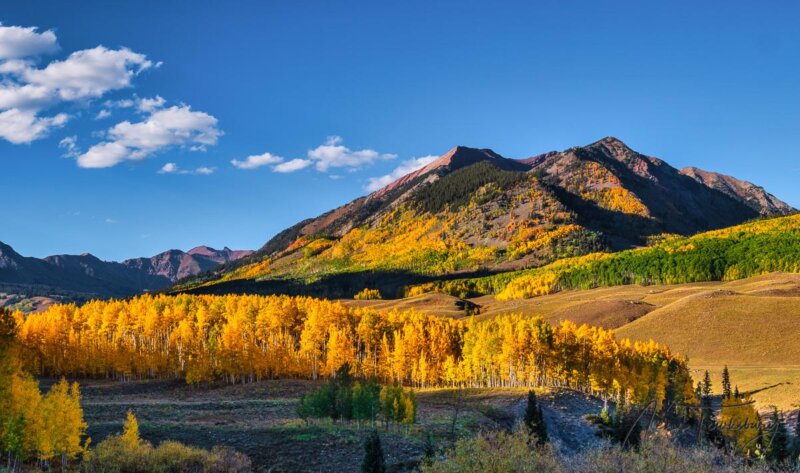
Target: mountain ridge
point(473, 209)
point(85, 276)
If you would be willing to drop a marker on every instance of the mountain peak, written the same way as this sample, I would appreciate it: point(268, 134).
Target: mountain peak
point(202, 250)
point(456, 158)
point(462, 156)
point(611, 146)
point(750, 194)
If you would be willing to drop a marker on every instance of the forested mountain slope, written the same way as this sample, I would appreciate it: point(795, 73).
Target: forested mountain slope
point(754, 248)
point(473, 210)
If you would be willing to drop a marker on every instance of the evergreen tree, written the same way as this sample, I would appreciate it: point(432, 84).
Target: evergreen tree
point(707, 386)
point(736, 393)
point(708, 421)
point(344, 402)
point(628, 430)
point(373, 455)
point(778, 439)
point(534, 420)
point(726, 383)
point(429, 448)
point(366, 400)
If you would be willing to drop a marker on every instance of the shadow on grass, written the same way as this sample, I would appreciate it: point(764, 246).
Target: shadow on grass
point(343, 285)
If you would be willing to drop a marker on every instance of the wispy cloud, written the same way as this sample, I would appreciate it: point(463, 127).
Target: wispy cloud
point(292, 166)
point(70, 146)
point(172, 168)
point(256, 161)
point(404, 168)
point(329, 155)
point(333, 154)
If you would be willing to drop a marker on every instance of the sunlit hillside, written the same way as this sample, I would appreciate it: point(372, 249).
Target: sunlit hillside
point(750, 249)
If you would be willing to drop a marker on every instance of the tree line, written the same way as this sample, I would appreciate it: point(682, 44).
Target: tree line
point(47, 431)
point(244, 338)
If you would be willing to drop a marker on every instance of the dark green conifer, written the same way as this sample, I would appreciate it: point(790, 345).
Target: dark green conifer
point(429, 448)
point(534, 420)
point(707, 418)
point(726, 383)
point(777, 448)
point(374, 461)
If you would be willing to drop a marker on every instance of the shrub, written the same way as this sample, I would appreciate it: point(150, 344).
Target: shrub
point(510, 453)
point(128, 453)
point(368, 294)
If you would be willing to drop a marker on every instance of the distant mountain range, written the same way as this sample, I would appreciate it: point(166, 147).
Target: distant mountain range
point(473, 210)
point(81, 277)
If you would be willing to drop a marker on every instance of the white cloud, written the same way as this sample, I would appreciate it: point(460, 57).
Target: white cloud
point(256, 161)
point(278, 163)
point(148, 105)
point(110, 221)
point(103, 155)
point(89, 73)
point(18, 42)
point(27, 90)
point(124, 103)
point(332, 154)
point(23, 126)
point(70, 146)
point(172, 168)
point(104, 113)
point(166, 128)
point(168, 168)
point(404, 168)
point(25, 97)
point(292, 166)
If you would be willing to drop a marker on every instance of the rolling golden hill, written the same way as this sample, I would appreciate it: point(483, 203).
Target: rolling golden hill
point(752, 325)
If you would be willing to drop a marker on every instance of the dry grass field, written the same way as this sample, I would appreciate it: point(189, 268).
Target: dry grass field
point(752, 325)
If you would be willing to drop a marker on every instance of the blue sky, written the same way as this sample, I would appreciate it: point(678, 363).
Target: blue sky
point(129, 149)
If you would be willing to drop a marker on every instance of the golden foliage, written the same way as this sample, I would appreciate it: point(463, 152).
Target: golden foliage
point(246, 338)
point(368, 294)
point(50, 425)
point(740, 423)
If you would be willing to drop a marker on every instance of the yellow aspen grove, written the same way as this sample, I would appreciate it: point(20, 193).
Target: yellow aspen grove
point(243, 338)
point(25, 404)
point(64, 426)
point(49, 426)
